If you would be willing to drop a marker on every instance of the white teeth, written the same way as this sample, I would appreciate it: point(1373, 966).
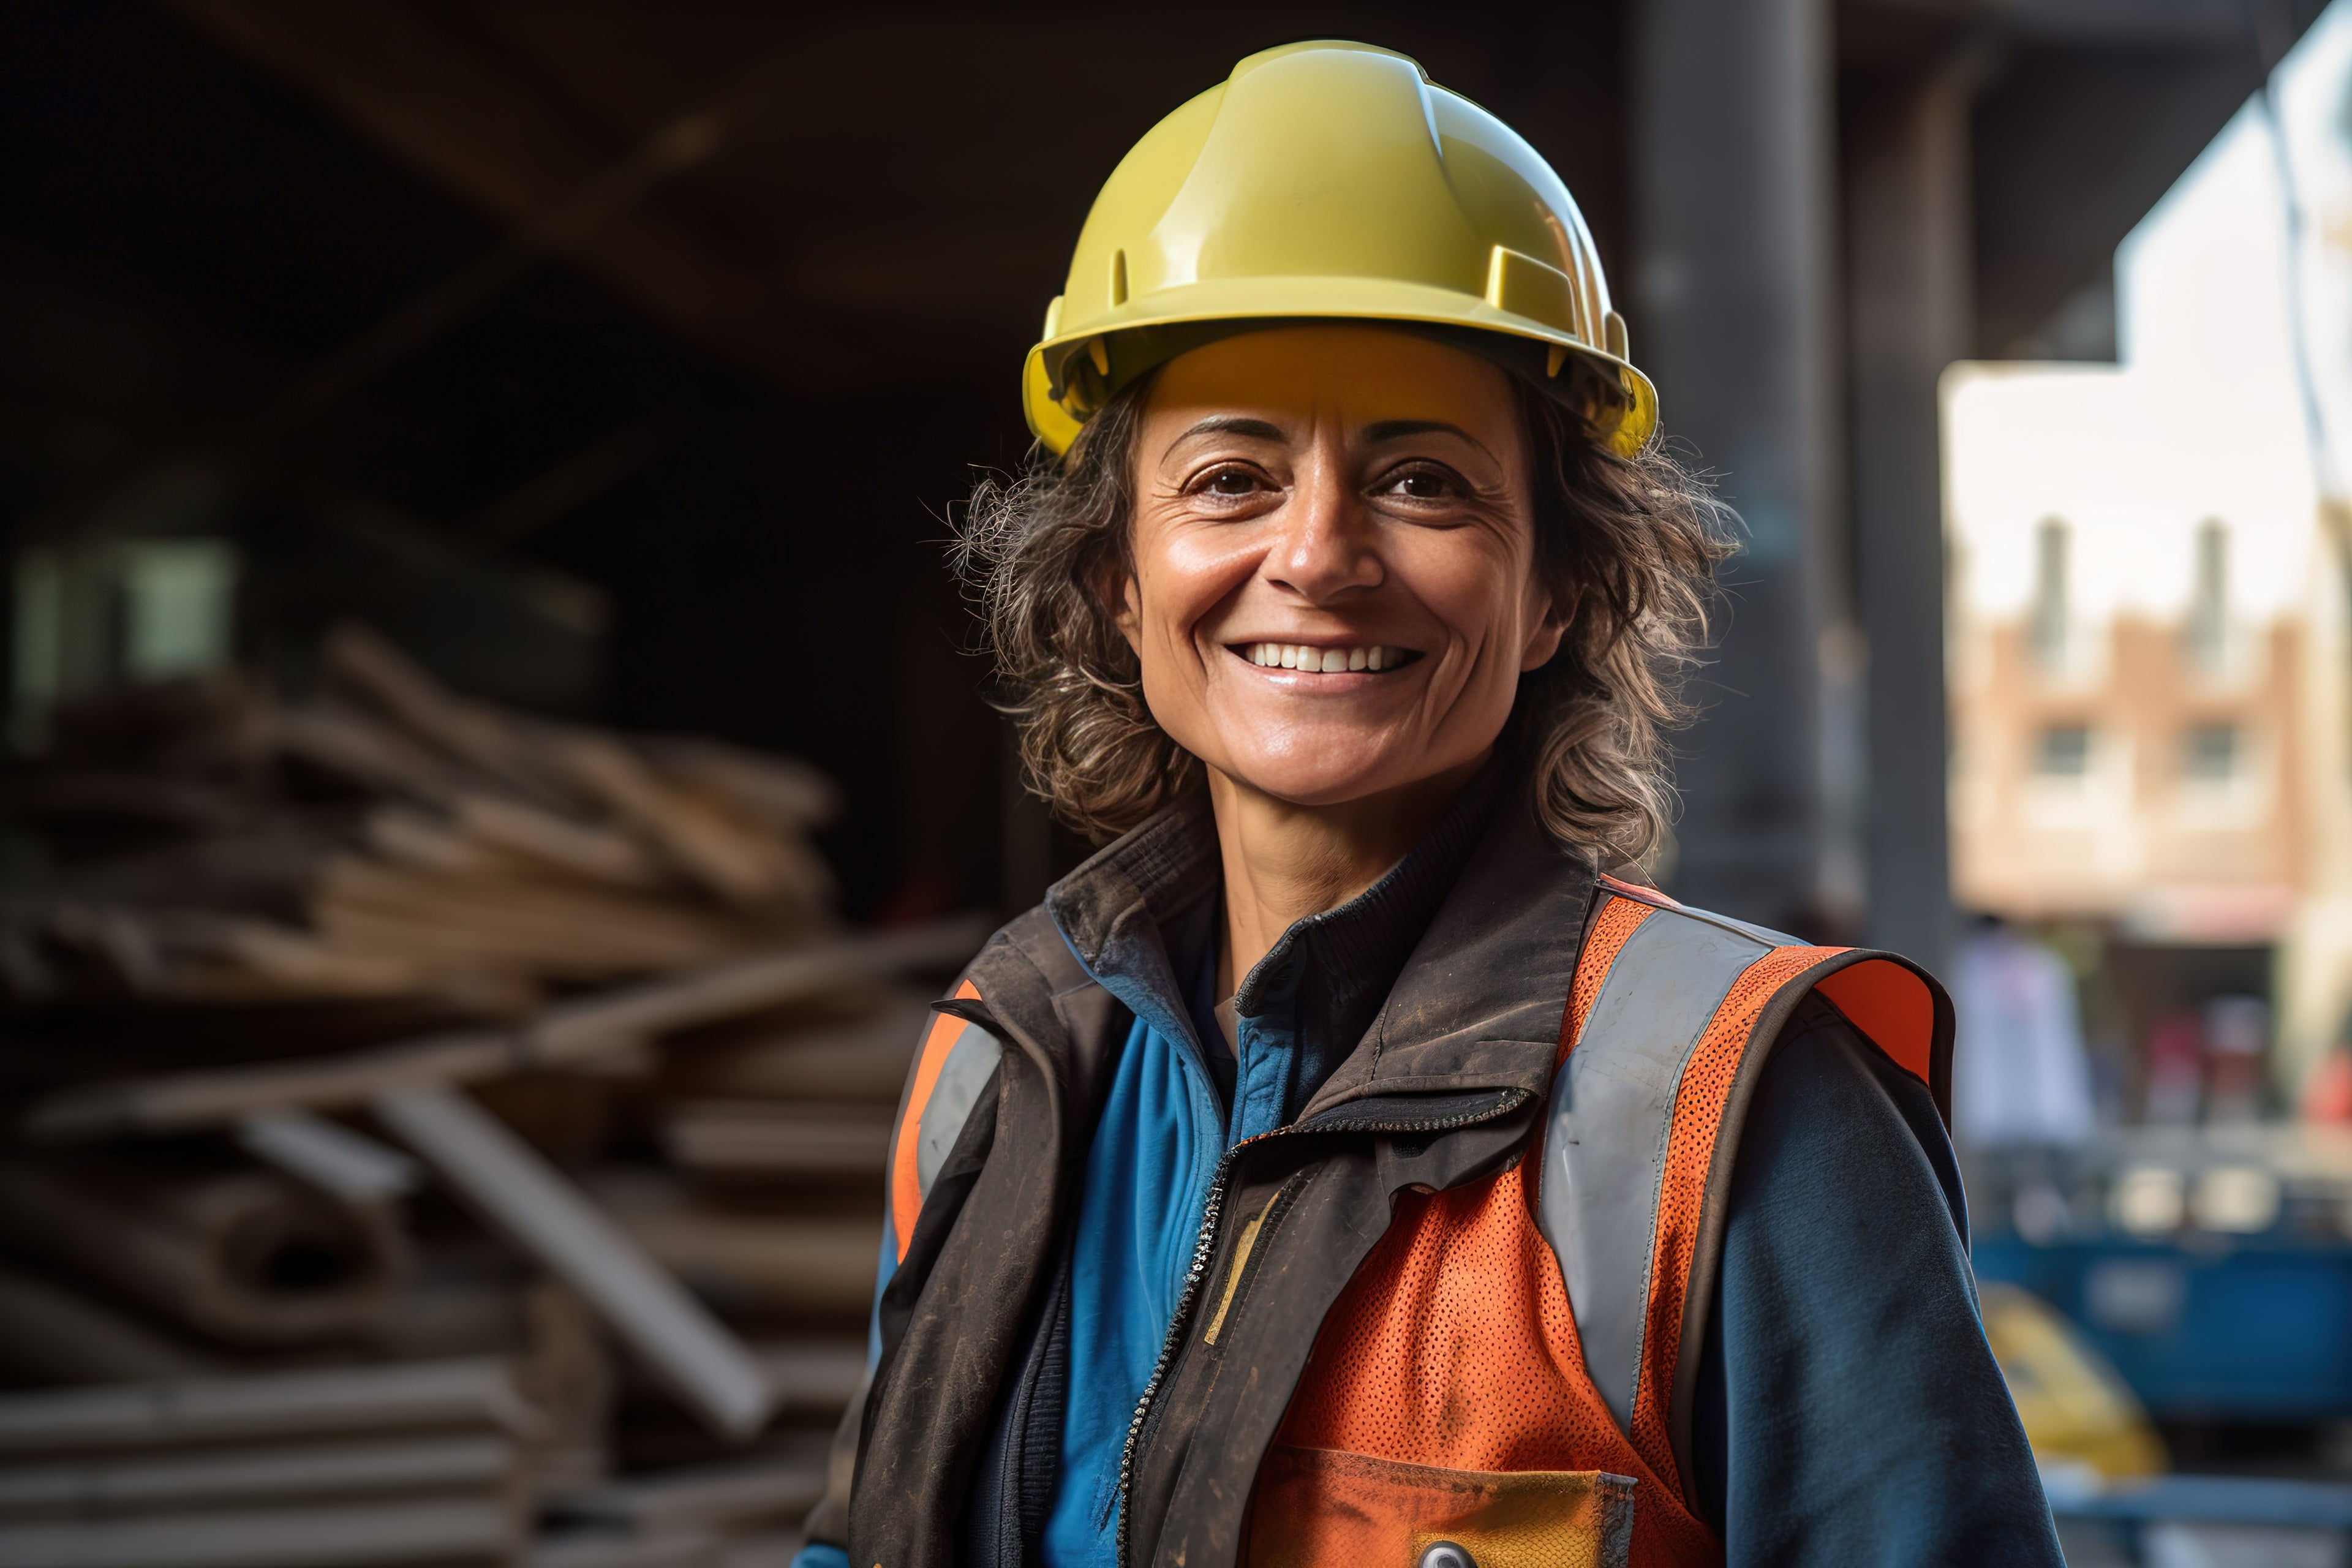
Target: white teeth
point(1323, 660)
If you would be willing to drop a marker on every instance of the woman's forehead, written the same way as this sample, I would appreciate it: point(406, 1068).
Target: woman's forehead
point(1350, 373)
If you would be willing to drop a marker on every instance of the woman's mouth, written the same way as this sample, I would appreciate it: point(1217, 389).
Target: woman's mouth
point(1374, 656)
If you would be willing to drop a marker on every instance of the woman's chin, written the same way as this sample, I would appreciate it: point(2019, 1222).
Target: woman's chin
point(1326, 781)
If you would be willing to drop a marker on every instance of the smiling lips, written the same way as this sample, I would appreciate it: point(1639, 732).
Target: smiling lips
point(1323, 660)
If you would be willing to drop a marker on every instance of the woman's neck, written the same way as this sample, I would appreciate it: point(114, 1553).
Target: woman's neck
point(1284, 862)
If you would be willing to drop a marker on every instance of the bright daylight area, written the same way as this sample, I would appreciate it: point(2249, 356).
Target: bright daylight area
point(2151, 670)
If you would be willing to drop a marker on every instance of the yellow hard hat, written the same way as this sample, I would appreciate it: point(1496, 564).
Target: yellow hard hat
point(1333, 180)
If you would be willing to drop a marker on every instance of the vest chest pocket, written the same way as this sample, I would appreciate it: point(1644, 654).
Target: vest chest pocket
point(1317, 1508)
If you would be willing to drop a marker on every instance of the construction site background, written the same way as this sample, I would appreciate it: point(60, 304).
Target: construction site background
point(497, 767)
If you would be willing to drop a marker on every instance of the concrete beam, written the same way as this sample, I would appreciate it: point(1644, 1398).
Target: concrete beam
point(2201, 22)
point(1907, 273)
point(1731, 294)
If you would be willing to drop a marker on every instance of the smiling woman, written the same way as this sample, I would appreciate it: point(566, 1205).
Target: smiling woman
point(1325, 567)
point(1343, 1169)
point(1619, 548)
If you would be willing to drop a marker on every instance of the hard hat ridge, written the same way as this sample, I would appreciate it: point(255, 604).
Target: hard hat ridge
point(1330, 180)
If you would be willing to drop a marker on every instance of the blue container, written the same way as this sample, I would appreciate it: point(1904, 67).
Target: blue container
point(2256, 1331)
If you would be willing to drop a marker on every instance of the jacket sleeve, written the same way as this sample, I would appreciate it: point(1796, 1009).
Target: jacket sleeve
point(828, 1526)
point(1848, 1408)
point(950, 1070)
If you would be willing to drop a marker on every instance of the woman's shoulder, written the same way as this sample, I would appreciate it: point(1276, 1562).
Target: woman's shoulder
point(1025, 951)
point(1834, 1120)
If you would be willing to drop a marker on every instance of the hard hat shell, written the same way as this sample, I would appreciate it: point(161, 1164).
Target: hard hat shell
point(1330, 180)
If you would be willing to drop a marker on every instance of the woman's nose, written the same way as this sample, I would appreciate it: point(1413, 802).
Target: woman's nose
point(1326, 548)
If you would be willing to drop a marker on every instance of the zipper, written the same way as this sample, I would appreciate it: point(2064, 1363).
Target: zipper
point(1204, 1247)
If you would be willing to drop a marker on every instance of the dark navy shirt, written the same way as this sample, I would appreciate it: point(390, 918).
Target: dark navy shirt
point(1848, 1408)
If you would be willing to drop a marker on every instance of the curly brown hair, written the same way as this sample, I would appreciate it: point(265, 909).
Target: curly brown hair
point(1630, 542)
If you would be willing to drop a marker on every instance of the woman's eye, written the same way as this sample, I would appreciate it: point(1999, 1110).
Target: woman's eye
point(1424, 484)
point(1232, 482)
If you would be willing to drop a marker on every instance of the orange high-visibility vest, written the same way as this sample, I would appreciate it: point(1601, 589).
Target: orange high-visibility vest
point(1502, 1384)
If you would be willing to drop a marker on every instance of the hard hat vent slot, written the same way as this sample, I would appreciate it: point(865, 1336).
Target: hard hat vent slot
point(1535, 289)
point(1118, 278)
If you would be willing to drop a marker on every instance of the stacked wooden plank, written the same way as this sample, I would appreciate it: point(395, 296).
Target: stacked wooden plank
point(419, 1462)
point(386, 836)
point(537, 1224)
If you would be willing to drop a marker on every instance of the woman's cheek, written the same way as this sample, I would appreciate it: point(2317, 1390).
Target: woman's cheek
point(1173, 680)
point(1199, 570)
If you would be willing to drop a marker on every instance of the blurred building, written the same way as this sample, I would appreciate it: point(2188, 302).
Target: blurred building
point(2151, 716)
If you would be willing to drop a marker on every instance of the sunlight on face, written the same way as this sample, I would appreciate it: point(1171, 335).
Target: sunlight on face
point(1334, 592)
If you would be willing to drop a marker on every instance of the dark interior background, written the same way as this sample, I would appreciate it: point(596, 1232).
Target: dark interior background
point(678, 448)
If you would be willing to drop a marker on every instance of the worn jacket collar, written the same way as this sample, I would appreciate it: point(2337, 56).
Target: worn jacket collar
point(1449, 973)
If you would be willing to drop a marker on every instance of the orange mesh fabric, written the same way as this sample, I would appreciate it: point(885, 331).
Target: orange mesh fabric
point(1454, 1347)
point(1611, 927)
point(1690, 1151)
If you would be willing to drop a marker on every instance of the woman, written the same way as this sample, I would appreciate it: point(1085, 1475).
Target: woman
point(1338, 1168)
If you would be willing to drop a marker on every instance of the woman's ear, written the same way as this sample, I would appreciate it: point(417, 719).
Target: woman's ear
point(1545, 633)
point(1116, 589)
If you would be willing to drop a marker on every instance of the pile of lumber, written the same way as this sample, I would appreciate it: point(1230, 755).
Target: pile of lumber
point(310, 1311)
point(206, 840)
point(418, 1463)
point(575, 1276)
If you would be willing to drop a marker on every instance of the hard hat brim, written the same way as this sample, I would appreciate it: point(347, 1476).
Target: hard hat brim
point(1223, 307)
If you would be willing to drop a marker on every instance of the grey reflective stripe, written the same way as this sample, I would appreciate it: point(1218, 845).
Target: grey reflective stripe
point(953, 1093)
point(1611, 1109)
point(1764, 934)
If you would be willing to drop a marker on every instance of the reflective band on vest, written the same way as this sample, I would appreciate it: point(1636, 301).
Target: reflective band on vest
point(952, 1069)
point(1612, 1108)
point(1494, 1333)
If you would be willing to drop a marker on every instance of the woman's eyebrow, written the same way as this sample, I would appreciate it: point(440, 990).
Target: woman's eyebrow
point(1388, 430)
point(1233, 424)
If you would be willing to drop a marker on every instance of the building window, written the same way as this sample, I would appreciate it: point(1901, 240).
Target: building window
point(146, 609)
point(179, 601)
point(2065, 752)
point(2211, 754)
point(2209, 597)
point(2050, 611)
